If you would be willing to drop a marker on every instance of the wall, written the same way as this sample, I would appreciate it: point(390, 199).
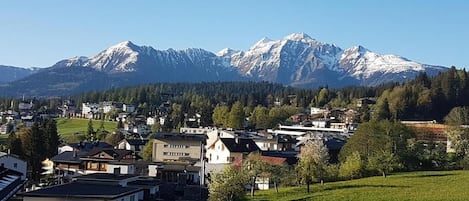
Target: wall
point(218, 153)
point(124, 169)
point(9, 162)
point(184, 148)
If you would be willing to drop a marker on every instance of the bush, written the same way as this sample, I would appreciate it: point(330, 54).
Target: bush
point(332, 172)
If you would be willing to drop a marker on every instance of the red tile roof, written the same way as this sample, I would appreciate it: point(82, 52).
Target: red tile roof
point(274, 160)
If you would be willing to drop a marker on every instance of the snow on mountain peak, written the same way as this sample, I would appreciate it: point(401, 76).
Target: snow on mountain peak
point(123, 46)
point(118, 58)
point(298, 37)
point(226, 52)
point(262, 43)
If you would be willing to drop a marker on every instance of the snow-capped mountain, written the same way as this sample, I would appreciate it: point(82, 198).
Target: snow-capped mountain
point(191, 64)
point(299, 60)
point(295, 60)
point(372, 69)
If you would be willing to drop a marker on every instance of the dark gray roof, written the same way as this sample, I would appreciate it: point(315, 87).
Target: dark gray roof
point(144, 182)
point(104, 176)
point(118, 154)
point(82, 190)
point(240, 145)
point(68, 157)
point(179, 136)
point(137, 142)
point(10, 183)
point(87, 146)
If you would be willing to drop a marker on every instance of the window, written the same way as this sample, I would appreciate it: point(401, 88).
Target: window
point(165, 146)
point(175, 154)
point(178, 146)
point(132, 198)
point(230, 159)
point(15, 165)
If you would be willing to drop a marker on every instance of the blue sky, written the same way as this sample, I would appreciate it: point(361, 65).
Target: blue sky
point(40, 33)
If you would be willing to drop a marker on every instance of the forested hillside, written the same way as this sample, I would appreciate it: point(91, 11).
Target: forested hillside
point(421, 98)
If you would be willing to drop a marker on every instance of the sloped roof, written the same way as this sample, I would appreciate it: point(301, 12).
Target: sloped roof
point(83, 190)
point(10, 182)
point(240, 145)
point(68, 157)
point(117, 154)
point(87, 146)
point(137, 142)
point(274, 160)
point(179, 136)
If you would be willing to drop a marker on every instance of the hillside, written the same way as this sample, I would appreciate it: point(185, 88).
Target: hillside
point(414, 186)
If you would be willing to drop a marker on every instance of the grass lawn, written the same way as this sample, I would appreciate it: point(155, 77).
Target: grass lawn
point(424, 186)
point(67, 127)
point(4, 139)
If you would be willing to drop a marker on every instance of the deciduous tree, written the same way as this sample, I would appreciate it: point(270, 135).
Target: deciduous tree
point(227, 185)
point(353, 167)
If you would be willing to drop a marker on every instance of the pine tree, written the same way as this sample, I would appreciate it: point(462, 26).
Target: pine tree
point(51, 137)
point(90, 131)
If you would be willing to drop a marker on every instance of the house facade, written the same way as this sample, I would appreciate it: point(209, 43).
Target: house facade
point(229, 150)
point(177, 147)
point(14, 163)
point(135, 145)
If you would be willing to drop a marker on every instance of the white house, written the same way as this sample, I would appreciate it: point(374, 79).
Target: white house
point(320, 123)
point(212, 136)
point(135, 145)
point(317, 110)
point(107, 107)
point(228, 150)
point(12, 162)
point(200, 130)
point(120, 168)
point(151, 121)
point(88, 108)
point(128, 108)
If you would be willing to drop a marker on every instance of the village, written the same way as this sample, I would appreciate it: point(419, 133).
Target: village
point(181, 163)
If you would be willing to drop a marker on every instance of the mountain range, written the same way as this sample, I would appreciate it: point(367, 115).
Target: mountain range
point(295, 60)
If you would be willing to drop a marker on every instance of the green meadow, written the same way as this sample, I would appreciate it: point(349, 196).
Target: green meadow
point(419, 186)
point(69, 127)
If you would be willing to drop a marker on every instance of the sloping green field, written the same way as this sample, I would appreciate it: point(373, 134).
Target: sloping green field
point(67, 127)
point(421, 186)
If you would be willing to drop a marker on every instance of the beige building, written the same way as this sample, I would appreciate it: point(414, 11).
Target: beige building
point(177, 147)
